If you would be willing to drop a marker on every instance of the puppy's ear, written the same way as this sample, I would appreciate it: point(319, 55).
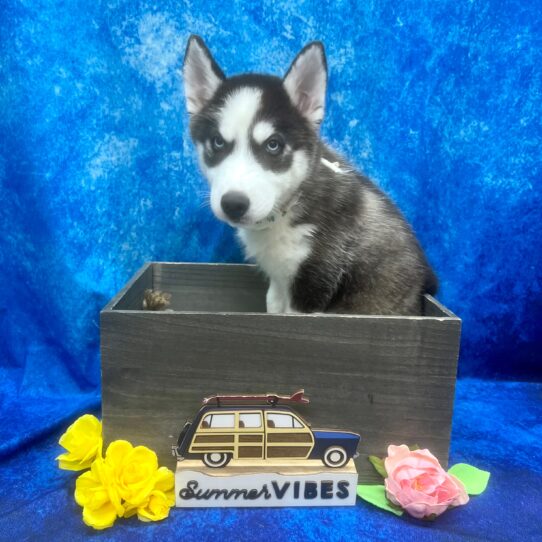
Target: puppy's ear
point(306, 80)
point(201, 73)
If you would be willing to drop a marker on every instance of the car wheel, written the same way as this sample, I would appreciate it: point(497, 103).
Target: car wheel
point(335, 457)
point(216, 460)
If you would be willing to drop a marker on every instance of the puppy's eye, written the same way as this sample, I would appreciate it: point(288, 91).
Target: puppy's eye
point(274, 146)
point(217, 142)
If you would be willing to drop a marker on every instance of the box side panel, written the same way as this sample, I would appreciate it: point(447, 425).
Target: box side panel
point(432, 307)
point(131, 296)
point(212, 287)
point(391, 380)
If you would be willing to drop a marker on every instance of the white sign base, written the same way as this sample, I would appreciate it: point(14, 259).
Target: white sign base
point(255, 483)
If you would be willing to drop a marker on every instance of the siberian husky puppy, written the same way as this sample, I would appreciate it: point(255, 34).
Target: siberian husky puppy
point(327, 238)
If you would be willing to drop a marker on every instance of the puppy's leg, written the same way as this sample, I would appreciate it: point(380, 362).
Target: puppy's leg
point(313, 287)
point(274, 299)
point(289, 309)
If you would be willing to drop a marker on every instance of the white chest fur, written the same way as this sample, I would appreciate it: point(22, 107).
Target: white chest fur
point(279, 250)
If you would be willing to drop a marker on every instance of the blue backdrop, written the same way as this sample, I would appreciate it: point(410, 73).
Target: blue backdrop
point(440, 103)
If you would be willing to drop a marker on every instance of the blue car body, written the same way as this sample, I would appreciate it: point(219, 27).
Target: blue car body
point(324, 439)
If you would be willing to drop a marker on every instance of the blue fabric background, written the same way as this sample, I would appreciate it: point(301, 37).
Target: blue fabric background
point(439, 102)
point(496, 427)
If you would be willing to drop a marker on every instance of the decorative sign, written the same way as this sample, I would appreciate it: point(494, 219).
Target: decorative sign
point(255, 450)
point(197, 486)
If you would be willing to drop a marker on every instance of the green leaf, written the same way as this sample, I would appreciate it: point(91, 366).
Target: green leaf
point(474, 480)
point(378, 464)
point(377, 495)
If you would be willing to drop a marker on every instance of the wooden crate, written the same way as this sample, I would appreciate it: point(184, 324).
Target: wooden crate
point(389, 378)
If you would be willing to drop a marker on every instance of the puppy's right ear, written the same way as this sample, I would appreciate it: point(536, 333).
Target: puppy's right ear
point(201, 73)
point(306, 82)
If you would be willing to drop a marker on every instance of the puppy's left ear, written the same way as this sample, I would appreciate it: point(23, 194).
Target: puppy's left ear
point(306, 81)
point(202, 75)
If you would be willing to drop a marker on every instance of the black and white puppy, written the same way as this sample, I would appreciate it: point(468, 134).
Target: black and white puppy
point(328, 239)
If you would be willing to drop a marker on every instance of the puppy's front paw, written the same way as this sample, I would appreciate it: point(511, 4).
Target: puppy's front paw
point(155, 300)
point(273, 300)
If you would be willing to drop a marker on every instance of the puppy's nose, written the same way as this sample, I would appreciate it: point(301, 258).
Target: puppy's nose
point(234, 204)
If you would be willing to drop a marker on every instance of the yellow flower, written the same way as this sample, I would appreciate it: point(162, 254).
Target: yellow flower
point(83, 442)
point(157, 506)
point(165, 480)
point(126, 482)
point(98, 497)
point(133, 471)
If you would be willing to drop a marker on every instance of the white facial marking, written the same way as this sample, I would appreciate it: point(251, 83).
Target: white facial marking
point(238, 113)
point(240, 171)
point(262, 131)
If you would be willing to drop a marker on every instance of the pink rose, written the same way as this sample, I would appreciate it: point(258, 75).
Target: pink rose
point(417, 483)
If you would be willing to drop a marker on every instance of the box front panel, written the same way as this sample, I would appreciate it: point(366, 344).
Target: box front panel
point(389, 379)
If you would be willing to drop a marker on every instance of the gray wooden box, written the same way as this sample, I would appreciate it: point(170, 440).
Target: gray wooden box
point(391, 379)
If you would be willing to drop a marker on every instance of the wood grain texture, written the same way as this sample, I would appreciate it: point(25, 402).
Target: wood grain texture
point(250, 451)
point(212, 287)
point(390, 379)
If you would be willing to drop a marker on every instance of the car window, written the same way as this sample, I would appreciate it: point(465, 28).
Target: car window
point(282, 420)
point(214, 421)
point(250, 419)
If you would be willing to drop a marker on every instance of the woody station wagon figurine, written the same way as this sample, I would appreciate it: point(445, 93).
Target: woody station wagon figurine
point(260, 427)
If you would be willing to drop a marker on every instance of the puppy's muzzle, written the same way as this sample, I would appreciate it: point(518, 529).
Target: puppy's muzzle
point(235, 205)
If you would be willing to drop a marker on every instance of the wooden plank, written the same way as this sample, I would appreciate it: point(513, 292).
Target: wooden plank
point(390, 379)
point(212, 287)
point(197, 287)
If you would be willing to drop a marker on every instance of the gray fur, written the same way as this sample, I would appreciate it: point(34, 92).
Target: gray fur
point(364, 255)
